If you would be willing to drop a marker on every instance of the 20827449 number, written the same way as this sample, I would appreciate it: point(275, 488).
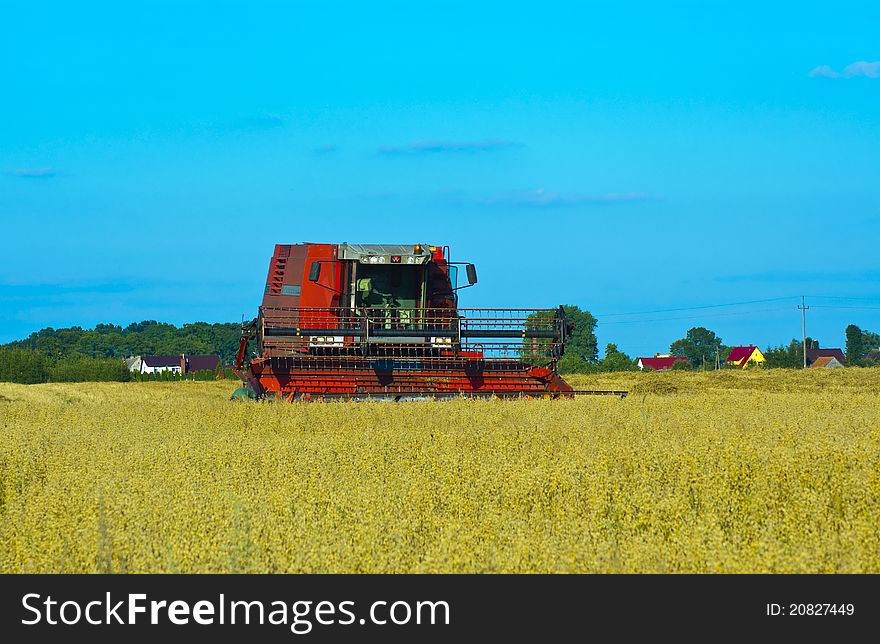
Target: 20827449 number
point(821, 609)
point(774, 610)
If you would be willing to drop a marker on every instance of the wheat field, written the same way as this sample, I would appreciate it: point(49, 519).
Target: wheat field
point(754, 471)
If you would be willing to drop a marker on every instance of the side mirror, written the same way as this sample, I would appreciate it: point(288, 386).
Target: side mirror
point(471, 274)
point(314, 272)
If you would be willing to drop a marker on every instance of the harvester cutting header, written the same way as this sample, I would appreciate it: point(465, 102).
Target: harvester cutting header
point(382, 321)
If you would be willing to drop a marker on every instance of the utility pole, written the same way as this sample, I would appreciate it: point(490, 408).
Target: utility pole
point(803, 307)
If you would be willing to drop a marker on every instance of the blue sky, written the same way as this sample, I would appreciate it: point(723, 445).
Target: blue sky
point(625, 157)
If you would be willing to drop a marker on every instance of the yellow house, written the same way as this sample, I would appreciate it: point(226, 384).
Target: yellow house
point(744, 356)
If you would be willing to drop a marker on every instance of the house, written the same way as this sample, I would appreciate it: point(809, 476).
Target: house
point(159, 364)
point(202, 363)
point(176, 364)
point(660, 362)
point(744, 356)
point(816, 353)
point(825, 362)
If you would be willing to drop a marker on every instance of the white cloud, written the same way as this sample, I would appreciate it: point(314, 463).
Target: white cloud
point(862, 68)
point(858, 68)
point(824, 71)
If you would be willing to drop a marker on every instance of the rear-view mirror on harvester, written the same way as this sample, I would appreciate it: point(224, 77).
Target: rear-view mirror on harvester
point(471, 274)
point(314, 272)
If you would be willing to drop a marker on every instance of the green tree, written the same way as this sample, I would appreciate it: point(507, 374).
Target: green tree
point(22, 366)
point(616, 360)
point(870, 342)
point(785, 357)
point(855, 348)
point(77, 368)
point(582, 348)
point(700, 346)
point(861, 346)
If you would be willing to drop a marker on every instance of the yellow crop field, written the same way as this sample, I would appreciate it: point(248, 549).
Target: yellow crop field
point(756, 471)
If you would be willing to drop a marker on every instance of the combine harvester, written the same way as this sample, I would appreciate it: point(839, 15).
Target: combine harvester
point(361, 322)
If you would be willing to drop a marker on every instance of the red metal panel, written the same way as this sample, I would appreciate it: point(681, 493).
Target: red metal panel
point(287, 283)
point(324, 293)
point(285, 270)
point(291, 377)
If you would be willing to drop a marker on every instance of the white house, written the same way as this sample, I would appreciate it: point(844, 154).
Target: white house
point(175, 364)
point(158, 364)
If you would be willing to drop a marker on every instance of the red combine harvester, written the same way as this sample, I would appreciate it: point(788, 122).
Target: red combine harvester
point(362, 321)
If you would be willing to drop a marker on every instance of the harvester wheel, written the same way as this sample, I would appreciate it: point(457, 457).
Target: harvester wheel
point(243, 393)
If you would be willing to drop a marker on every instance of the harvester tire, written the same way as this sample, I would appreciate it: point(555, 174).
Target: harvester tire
point(243, 393)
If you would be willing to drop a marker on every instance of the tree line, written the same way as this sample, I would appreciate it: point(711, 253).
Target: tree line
point(862, 347)
point(702, 347)
point(75, 354)
point(31, 367)
point(139, 338)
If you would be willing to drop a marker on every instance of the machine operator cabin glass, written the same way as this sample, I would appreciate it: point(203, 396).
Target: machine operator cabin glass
point(388, 286)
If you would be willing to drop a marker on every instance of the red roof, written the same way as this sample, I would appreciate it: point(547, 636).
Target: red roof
point(660, 364)
point(814, 354)
point(738, 354)
point(826, 362)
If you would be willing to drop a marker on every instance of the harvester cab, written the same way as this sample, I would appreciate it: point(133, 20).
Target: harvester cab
point(364, 321)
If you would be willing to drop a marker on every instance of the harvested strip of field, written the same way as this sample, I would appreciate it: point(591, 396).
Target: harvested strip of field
point(775, 471)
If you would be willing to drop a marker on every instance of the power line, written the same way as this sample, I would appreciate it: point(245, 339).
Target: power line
point(697, 308)
point(832, 306)
point(714, 306)
point(841, 297)
point(695, 317)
